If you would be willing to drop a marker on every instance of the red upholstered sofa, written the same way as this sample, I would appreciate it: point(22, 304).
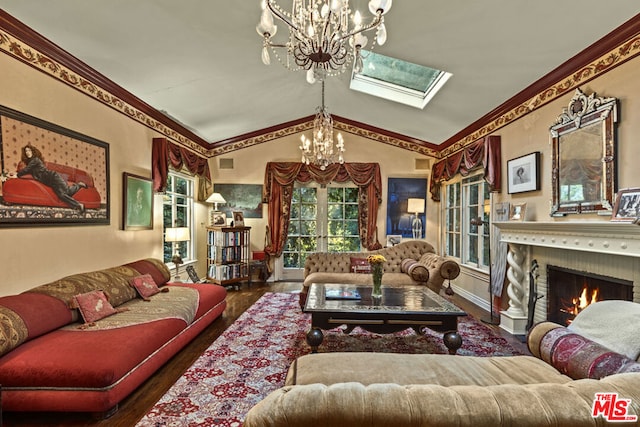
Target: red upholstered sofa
point(27, 191)
point(50, 360)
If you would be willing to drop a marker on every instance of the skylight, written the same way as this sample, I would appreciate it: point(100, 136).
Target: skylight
point(398, 80)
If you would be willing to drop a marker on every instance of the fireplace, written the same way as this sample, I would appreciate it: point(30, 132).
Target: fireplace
point(570, 291)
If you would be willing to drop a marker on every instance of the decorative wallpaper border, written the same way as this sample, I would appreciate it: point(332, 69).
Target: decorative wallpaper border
point(25, 53)
point(602, 65)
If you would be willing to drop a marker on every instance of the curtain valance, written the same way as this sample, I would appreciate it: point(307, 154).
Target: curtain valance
point(484, 152)
point(280, 178)
point(165, 154)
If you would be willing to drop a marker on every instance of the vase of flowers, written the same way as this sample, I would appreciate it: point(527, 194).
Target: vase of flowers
point(377, 266)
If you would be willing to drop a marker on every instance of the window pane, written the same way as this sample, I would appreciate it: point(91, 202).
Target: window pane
point(308, 211)
point(308, 195)
point(290, 259)
point(177, 211)
point(351, 228)
point(335, 211)
point(335, 195)
point(351, 211)
point(308, 228)
point(351, 195)
point(295, 211)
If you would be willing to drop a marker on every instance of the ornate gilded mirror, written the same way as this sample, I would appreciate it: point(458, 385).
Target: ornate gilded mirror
point(583, 174)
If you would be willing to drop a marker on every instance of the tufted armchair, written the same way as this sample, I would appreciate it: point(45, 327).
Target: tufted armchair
point(413, 262)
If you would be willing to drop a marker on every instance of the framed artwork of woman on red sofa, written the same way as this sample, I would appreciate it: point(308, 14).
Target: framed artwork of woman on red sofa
point(50, 175)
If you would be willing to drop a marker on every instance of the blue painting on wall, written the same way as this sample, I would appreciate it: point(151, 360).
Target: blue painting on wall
point(399, 220)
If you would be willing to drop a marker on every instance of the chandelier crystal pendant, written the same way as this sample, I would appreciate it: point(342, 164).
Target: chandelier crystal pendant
point(324, 35)
point(322, 151)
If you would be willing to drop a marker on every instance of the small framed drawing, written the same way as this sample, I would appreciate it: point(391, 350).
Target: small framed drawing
point(192, 274)
point(627, 205)
point(238, 219)
point(218, 218)
point(518, 212)
point(501, 211)
point(393, 239)
point(523, 173)
point(137, 206)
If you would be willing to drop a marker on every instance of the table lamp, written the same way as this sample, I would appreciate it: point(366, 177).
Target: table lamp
point(176, 235)
point(416, 206)
point(216, 198)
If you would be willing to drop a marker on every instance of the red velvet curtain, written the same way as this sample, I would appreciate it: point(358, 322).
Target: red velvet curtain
point(164, 153)
point(484, 152)
point(280, 178)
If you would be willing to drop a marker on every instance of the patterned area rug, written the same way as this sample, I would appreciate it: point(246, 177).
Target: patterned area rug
point(250, 359)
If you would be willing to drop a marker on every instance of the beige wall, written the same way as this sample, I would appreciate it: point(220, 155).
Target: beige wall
point(36, 255)
point(531, 133)
point(249, 168)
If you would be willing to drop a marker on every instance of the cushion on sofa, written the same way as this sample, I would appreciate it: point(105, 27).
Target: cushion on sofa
point(29, 315)
point(145, 285)
point(417, 271)
point(360, 265)
point(579, 357)
point(93, 306)
point(625, 315)
point(155, 267)
point(449, 269)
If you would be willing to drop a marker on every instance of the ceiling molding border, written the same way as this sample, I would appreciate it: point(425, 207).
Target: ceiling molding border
point(260, 137)
point(306, 123)
point(61, 66)
point(628, 49)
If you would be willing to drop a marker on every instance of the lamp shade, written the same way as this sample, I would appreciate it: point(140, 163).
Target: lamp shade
point(415, 206)
point(177, 234)
point(216, 198)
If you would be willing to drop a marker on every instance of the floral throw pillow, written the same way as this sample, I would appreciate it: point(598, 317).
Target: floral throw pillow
point(145, 285)
point(93, 306)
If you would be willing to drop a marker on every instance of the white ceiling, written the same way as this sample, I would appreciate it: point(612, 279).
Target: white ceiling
point(199, 60)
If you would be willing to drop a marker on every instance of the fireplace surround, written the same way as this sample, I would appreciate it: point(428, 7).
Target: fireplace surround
point(597, 247)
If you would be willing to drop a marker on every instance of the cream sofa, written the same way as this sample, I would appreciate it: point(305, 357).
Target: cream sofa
point(556, 386)
point(413, 262)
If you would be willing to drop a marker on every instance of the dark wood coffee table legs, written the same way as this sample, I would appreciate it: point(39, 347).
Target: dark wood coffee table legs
point(314, 339)
point(453, 341)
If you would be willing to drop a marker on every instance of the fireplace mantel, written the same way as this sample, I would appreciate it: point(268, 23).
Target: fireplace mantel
point(614, 238)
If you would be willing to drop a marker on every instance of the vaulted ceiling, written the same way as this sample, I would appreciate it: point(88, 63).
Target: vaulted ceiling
point(198, 61)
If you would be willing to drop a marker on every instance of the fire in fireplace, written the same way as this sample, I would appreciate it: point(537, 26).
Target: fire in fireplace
point(570, 291)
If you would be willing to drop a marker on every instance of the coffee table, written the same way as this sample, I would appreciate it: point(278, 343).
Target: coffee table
point(399, 308)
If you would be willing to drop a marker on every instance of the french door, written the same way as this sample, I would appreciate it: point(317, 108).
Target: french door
point(323, 219)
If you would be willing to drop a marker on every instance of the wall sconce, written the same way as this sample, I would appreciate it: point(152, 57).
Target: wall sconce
point(416, 206)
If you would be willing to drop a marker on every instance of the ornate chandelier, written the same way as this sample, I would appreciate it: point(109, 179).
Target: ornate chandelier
point(318, 34)
point(322, 151)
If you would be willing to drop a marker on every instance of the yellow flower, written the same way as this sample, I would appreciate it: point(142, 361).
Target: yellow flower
point(376, 259)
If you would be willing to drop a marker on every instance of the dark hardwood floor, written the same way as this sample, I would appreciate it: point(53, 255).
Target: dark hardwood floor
point(134, 407)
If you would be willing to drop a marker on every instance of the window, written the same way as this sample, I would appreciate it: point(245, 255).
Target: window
point(314, 209)
point(466, 199)
point(177, 211)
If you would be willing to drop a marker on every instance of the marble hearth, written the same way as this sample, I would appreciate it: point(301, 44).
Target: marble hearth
point(598, 247)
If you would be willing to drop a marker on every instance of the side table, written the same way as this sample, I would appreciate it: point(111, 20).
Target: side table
point(259, 267)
